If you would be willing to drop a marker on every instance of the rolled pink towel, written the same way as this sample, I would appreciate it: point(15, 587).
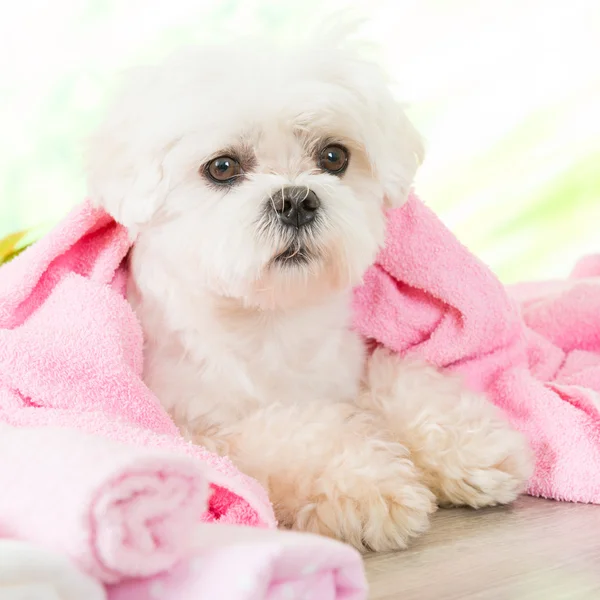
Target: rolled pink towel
point(116, 510)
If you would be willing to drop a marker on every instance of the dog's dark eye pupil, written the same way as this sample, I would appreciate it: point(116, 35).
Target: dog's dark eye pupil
point(223, 169)
point(334, 159)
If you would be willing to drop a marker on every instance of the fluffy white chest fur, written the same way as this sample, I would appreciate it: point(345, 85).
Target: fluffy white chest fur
point(212, 361)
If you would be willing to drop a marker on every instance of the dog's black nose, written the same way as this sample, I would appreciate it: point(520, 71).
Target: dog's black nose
point(296, 206)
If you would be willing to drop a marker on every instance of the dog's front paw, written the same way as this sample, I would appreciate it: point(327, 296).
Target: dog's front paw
point(465, 448)
point(370, 510)
point(492, 469)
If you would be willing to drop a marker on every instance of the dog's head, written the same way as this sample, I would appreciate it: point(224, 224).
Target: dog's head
point(260, 174)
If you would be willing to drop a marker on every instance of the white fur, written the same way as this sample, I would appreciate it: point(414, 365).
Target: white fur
point(254, 359)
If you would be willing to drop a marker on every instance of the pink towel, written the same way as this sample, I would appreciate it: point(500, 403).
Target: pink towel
point(101, 474)
point(71, 358)
point(534, 349)
point(241, 563)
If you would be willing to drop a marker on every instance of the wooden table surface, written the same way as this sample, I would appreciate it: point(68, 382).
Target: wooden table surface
point(533, 550)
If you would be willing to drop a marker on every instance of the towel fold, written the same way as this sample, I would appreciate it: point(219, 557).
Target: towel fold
point(242, 563)
point(533, 348)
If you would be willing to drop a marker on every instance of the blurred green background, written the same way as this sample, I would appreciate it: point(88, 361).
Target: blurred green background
point(507, 95)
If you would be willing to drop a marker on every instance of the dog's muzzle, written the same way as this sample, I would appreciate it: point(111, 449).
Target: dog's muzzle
point(296, 206)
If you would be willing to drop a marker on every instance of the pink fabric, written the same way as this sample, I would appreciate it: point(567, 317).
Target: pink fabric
point(534, 349)
point(71, 357)
point(240, 563)
point(99, 473)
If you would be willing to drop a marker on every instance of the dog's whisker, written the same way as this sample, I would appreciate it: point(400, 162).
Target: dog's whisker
point(272, 202)
point(307, 193)
point(325, 186)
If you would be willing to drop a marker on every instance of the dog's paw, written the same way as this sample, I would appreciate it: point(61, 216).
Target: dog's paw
point(467, 451)
point(495, 473)
point(370, 512)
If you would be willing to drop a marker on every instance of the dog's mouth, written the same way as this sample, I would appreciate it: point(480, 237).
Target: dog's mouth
point(295, 255)
point(294, 248)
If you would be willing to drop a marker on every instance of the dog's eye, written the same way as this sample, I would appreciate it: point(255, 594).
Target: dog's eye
point(223, 169)
point(334, 159)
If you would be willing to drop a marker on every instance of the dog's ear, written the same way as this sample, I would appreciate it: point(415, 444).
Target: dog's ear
point(403, 147)
point(393, 145)
point(124, 163)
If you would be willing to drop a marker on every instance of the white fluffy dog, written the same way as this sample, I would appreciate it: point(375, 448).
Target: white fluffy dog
point(255, 182)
